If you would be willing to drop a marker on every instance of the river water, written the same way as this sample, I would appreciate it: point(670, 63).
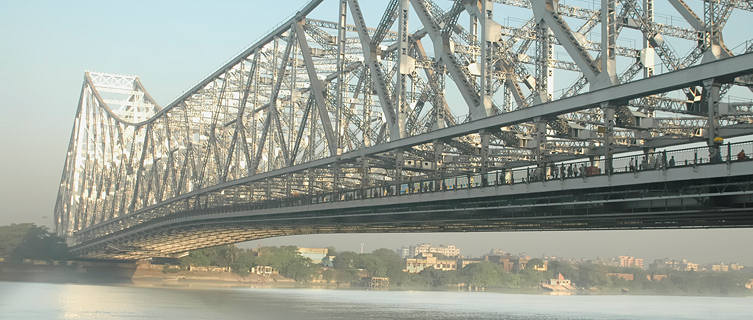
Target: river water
point(19, 301)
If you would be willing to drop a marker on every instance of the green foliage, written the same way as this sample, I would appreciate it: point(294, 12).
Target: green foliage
point(380, 263)
point(346, 275)
point(534, 262)
point(28, 241)
point(557, 267)
point(347, 260)
point(431, 278)
point(220, 256)
point(11, 237)
point(483, 274)
point(350, 266)
point(286, 260)
point(590, 275)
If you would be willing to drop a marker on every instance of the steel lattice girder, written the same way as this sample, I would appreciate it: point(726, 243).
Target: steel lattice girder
point(319, 105)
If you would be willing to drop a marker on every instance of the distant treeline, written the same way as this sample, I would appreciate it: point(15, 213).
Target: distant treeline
point(29, 241)
point(349, 267)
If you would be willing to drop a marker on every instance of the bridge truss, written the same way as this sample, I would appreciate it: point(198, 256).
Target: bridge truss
point(429, 92)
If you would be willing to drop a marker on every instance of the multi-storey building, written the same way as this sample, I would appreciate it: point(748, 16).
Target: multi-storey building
point(315, 254)
point(509, 262)
point(404, 252)
point(630, 262)
point(721, 267)
point(462, 263)
point(505, 260)
point(688, 266)
point(428, 260)
point(447, 251)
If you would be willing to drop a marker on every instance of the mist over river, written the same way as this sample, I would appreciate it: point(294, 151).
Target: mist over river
point(24, 300)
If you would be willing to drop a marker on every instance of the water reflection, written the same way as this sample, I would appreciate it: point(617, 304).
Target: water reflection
point(69, 301)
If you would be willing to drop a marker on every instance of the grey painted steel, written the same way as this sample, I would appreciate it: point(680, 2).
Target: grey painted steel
point(318, 107)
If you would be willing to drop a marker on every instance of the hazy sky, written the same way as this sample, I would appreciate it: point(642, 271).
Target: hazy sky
point(45, 47)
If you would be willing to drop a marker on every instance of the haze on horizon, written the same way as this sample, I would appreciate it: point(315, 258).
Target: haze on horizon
point(47, 46)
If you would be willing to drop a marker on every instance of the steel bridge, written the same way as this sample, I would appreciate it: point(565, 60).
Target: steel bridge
point(473, 116)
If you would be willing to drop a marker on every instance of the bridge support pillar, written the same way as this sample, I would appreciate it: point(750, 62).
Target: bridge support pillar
point(438, 165)
point(364, 172)
point(711, 89)
point(398, 178)
point(341, 81)
point(540, 149)
point(609, 122)
point(648, 49)
point(336, 177)
point(484, 157)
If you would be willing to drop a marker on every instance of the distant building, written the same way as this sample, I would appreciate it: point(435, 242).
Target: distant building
point(462, 263)
point(749, 284)
point(213, 269)
point(721, 267)
point(542, 267)
point(328, 261)
point(447, 251)
point(662, 264)
point(688, 266)
point(498, 252)
point(427, 260)
point(379, 283)
point(560, 281)
point(509, 262)
point(667, 264)
point(404, 252)
point(736, 267)
point(623, 276)
point(264, 270)
point(521, 263)
point(630, 262)
point(315, 254)
point(656, 277)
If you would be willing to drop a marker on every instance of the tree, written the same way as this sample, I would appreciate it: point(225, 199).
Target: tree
point(329, 275)
point(346, 260)
point(391, 264)
point(534, 263)
point(288, 262)
point(483, 274)
point(35, 243)
point(243, 262)
point(591, 275)
point(11, 237)
point(562, 267)
point(220, 256)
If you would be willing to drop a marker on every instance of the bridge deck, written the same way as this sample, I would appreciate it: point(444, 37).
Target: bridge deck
point(686, 196)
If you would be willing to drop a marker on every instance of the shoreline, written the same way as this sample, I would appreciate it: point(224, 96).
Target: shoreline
point(153, 276)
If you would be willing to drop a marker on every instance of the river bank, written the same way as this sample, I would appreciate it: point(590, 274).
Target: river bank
point(163, 276)
point(137, 274)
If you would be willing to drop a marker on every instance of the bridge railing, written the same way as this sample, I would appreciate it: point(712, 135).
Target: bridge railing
point(578, 169)
point(633, 163)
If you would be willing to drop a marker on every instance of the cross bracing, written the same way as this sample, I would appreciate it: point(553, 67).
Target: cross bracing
point(430, 91)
